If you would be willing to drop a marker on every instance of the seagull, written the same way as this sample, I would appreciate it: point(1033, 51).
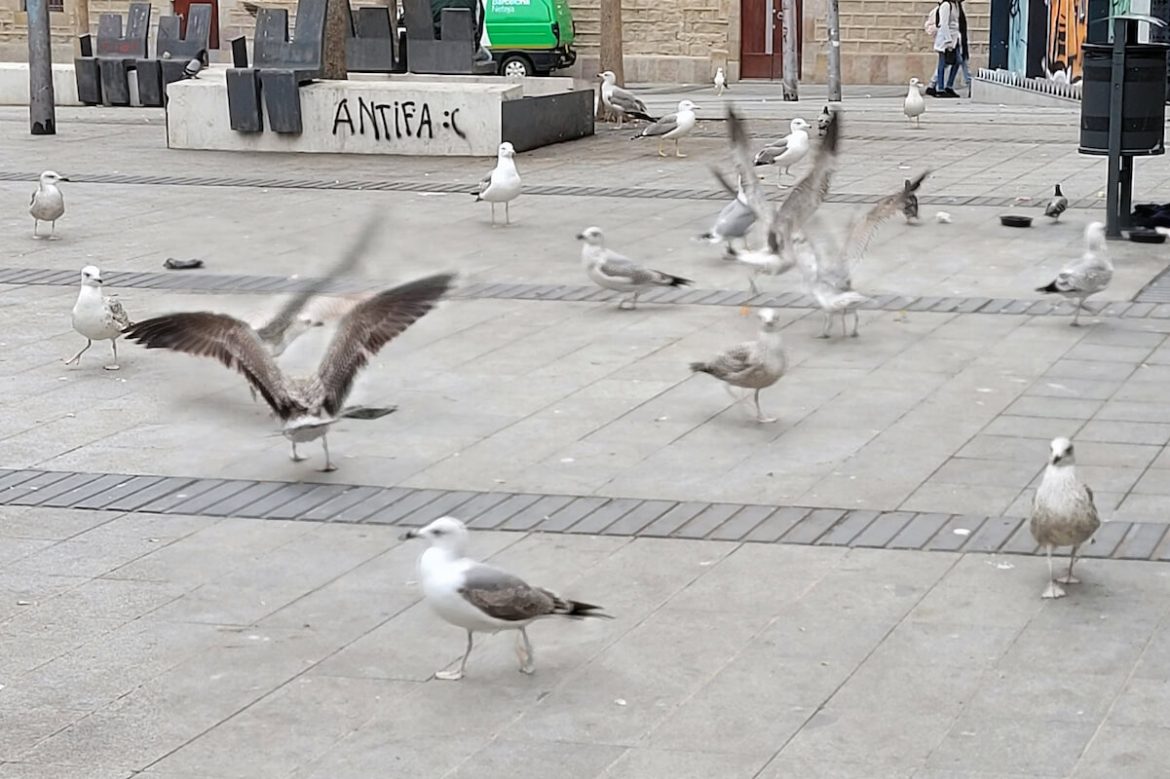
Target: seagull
point(1088, 275)
point(671, 127)
point(308, 406)
point(97, 317)
point(734, 221)
point(720, 81)
point(613, 271)
point(502, 185)
point(823, 121)
point(621, 101)
point(910, 204)
point(1063, 513)
point(1057, 205)
point(481, 598)
point(915, 105)
point(787, 151)
point(754, 365)
point(47, 203)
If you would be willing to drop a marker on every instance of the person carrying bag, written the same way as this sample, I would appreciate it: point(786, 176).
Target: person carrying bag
point(946, 43)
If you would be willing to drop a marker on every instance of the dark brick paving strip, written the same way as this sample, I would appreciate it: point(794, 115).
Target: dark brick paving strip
point(525, 512)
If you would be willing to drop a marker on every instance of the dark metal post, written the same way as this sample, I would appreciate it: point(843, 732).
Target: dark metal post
point(1116, 102)
point(42, 111)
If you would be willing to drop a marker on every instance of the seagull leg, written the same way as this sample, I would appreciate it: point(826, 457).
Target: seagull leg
point(52, 229)
point(114, 366)
point(1068, 578)
point(827, 328)
point(76, 357)
point(524, 652)
point(36, 224)
point(760, 412)
point(752, 282)
point(296, 458)
point(507, 212)
point(634, 300)
point(677, 153)
point(454, 676)
point(329, 466)
point(1053, 590)
point(856, 322)
point(1077, 312)
point(493, 213)
point(661, 153)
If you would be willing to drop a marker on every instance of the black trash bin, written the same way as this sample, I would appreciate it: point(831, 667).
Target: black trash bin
point(1143, 107)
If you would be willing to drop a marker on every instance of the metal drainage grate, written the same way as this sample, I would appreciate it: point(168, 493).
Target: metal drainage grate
point(1157, 291)
point(525, 512)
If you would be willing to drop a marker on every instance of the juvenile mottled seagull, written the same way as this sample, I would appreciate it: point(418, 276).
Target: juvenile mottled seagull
point(1088, 275)
point(720, 81)
point(47, 203)
point(97, 317)
point(915, 105)
point(787, 151)
point(308, 406)
point(672, 127)
point(754, 365)
point(1063, 513)
point(502, 185)
point(622, 102)
point(1057, 205)
point(480, 598)
point(910, 204)
point(614, 271)
point(823, 121)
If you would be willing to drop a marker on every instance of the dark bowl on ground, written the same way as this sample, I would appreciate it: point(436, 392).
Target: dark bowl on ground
point(1143, 235)
point(1015, 220)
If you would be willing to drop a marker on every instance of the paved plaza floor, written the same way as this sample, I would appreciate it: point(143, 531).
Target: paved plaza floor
point(848, 592)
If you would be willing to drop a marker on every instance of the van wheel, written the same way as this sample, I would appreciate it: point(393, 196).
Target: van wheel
point(516, 65)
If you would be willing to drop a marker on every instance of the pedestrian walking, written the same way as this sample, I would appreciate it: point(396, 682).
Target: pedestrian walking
point(947, 43)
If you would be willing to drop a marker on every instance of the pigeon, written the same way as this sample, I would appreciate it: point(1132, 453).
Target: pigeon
point(754, 365)
point(308, 406)
point(502, 185)
point(720, 81)
point(787, 151)
point(915, 105)
point(1057, 205)
point(97, 317)
point(191, 70)
point(823, 121)
point(1063, 513)
point(613, 271)
point(671, 127)
point(621, 101)
point(47, 203)
point(910, 201)
point(1088, 275)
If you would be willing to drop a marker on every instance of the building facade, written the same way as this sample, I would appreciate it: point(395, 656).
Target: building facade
point(677, 41)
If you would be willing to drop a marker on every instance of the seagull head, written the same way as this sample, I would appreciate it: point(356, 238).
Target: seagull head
point(445, 532)
point(768, 317)
point(914, 82)
point(607, 76)
point(51, 177)
point(91, 276)
point(592, 236)
point(507, 151)
point(1062, 452)
point(798, 124)
point(687, 105)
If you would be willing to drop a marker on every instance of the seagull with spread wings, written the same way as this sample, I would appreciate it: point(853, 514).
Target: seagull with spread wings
point(308, 406)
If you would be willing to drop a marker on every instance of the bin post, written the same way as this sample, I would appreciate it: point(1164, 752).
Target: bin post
point(1118, 178)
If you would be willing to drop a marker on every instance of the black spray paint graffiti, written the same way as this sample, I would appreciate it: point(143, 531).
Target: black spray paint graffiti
point(392, 121)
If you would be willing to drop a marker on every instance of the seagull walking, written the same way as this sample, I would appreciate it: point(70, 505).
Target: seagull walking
point(720, 81)
point(787, 151)
point(621, 102)
point(1063, 513)
point(1057, 205)
point(502, 185)
point(672, 127)
point(754, 365)
point(481, 598)
point(614, 271)
point(308, 406)
point(47, 203)
point(1088, 275)
point(915, 105)
point(97, 317)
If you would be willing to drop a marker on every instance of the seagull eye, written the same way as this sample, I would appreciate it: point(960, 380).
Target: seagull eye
point(438, 532)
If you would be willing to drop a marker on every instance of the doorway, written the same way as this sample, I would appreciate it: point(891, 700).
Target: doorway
point(183, 7)
point(761, 38)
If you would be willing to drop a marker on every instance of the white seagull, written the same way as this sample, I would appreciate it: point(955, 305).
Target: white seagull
point(308, 406)
point(734, 221)
point(754, 365)
point(502, 185)
point(787, 151)
point(672, 127)
point(1088, 275)
point(1063, 513)
point(1057, 205)
point(480, 598)
point(915, 105)
point(620, 101)
point(47, 203)
point(720, 81)
point(97, 317)
point(614, 271)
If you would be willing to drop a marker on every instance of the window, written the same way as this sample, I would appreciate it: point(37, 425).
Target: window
point(55, 6)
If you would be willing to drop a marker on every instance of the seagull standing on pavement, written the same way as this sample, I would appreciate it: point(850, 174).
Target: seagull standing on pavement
point(622, 102)
point(1057, 205)
point(481, 598)
point(915, 104)
point(755, 365)
point(734, 221)
point(47, 203)
point(672, 127)
point(1088, 275)
point(502, 185)
point(614, 271)
point(720, 81)
point(787, 151)
point(1063, 513)
point(97, 317)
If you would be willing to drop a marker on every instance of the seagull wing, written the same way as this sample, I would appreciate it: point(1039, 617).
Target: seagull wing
point(330, 308)
point(627, 101)
point(224, 338)
point(503, 596)
point(768, 154)
point(863, 231)
point(117, 313)
point(732, 362)
point(744, 169)
point(661, 127)
point(619, 267)
point(808, 194)
point(370, 326)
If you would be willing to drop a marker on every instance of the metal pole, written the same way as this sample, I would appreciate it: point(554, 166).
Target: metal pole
point(788, 33)
point(832, 21)
point(611, 46)
point(42, 111)
point(1116, 102)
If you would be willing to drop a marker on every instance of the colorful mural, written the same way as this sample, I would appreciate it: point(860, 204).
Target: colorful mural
point(1067, 23)
point(1017, 41)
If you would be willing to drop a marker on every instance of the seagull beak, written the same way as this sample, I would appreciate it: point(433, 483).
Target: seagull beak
point(409, 534)
point(580, 236)
point(65, 178)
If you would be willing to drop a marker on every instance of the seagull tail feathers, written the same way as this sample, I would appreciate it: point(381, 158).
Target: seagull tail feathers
point(700, 367)
point(577, 609)
point(1048, 289)
point(640, 115)
point(677, 281)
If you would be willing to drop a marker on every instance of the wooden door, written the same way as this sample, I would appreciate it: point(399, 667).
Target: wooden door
point(761, 38)
point(182, 7)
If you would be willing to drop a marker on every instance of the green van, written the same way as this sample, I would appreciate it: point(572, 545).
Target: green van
point(530, 37)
